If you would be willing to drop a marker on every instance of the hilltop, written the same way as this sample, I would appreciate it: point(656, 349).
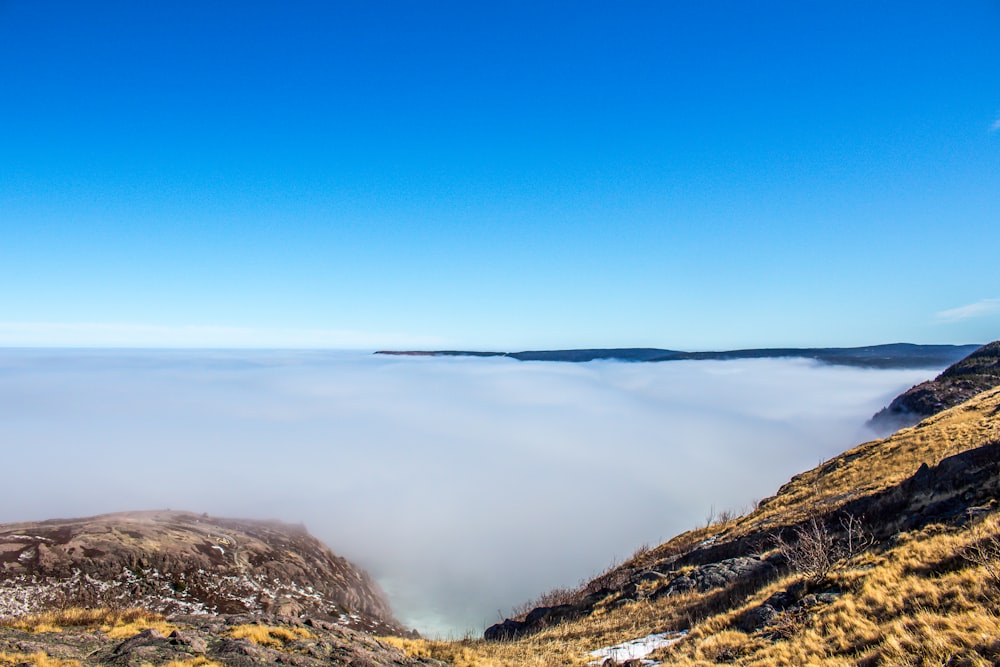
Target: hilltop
point(186, 590)
point(957, 383)
point(180, 562)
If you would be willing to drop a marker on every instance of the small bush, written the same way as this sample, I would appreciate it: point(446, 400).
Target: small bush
point(816, 550)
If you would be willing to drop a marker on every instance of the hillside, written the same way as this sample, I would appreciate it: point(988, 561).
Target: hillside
point(179, 562)
point(884, 555)
point(957, 383)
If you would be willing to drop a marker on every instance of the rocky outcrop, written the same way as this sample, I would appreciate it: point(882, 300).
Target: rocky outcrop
point(179, 562)
point(711, 576)
point(309, 642)
point(958, 383)
point(543, 617)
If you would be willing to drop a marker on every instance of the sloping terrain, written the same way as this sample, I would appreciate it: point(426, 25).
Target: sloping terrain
point(959, 382)
point(885, 555)
point(179, 562)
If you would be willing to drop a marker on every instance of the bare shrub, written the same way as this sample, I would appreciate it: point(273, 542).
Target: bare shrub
point(641, 551)
point(816, 550)
point(720, 517)
point(552, 598)
point(984, 551)
point(725, 516)
point(614, 576)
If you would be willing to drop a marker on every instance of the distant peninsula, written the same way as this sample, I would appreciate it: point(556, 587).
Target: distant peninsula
point(894, 355)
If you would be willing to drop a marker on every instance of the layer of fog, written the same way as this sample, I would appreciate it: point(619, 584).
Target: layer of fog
point(466, 486)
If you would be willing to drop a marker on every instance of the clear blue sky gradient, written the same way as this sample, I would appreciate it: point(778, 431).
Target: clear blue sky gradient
point(504, 175)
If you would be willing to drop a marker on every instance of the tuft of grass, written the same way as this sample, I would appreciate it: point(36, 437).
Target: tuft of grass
point(531, 652)
point(115, 623)
point(267, 635)
point(38, 659)
point(199, 661)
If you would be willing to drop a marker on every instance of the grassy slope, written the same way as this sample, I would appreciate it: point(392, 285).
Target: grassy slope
point(917, 600)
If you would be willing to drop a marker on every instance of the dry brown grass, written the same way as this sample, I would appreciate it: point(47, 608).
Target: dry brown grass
point(115, 623)
point(880, 464)
point(198, 661)
point(868, 468)
point(267, 635)
point(38, 659)
point(920, 603)
point(43, 660)
point(532, 652)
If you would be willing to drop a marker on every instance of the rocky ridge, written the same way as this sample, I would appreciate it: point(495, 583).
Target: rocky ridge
point(184, 563)
point(956, 384)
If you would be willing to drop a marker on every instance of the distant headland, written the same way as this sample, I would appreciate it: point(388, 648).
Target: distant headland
point(894, 355)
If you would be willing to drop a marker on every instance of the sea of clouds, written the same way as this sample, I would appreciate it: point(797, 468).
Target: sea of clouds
point(464, 485)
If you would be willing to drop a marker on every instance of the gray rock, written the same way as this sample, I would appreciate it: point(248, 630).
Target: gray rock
point(713, 576)
point(781, 600)
point(506, 631)
point(650, 576)
point(758, 617)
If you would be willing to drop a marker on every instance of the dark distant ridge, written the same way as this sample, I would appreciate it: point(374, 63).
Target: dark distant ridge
point(956, 384)
point(894, 355)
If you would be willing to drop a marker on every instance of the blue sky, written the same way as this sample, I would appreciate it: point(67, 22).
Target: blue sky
point(499, 175)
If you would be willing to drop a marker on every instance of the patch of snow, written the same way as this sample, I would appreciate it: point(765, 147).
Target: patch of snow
point(221, 550)
point(637, 649)
point(21, 538)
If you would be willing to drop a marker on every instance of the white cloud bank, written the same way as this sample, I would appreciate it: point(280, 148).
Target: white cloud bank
point(973, 310)
point(465, 486)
